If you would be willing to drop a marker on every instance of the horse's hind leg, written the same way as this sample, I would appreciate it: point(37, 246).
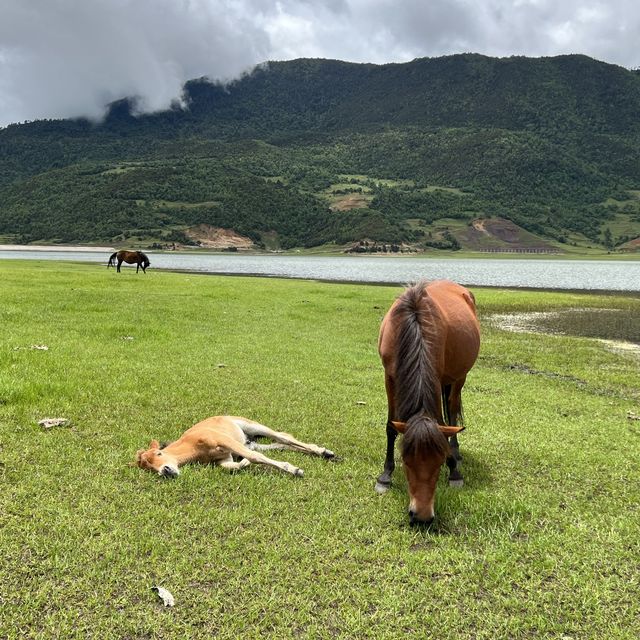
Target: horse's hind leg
point(256, 446)
point(452, 401)
point(284, 440)
point(452, 407)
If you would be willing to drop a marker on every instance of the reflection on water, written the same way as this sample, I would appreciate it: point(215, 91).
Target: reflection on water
point(612, 324)
point(606, 324)
point(543, 274)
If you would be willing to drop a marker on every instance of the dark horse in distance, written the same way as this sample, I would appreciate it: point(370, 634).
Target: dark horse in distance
point(130, 257)
point(429, 340)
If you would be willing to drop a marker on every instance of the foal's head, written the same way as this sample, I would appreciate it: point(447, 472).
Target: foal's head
point(158, 460)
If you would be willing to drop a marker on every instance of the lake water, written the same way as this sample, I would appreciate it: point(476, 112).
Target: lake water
point(543, 274)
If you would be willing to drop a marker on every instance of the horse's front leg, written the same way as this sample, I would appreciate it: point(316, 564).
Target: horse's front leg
point(230, 465)
point(455, 477)
point(383, 483)
point(384, 479)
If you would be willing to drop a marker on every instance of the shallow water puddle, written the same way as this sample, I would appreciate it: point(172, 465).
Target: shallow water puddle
point(617, 329)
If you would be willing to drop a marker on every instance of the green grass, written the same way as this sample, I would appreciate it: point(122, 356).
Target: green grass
point(624, 224)
point(542, 542)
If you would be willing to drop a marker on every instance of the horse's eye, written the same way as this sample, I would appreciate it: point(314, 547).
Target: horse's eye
point(158, 454)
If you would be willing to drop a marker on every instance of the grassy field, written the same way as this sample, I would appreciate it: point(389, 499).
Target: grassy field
point(542, 542)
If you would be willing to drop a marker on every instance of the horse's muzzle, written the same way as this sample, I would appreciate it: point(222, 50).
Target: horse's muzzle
point(414, 521)
point(169, 472)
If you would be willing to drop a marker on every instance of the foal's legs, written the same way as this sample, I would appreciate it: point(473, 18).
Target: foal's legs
point(119, 263)
point(230, 465)
point(255, 457)
point(284, 440)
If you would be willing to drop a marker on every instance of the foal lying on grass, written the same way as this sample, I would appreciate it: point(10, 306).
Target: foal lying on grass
point(217, 440)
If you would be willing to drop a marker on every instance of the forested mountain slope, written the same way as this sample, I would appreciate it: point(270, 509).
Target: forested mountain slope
point(309, 152)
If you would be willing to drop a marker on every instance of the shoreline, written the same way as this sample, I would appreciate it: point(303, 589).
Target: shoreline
point(459, 255)
point(54, 247)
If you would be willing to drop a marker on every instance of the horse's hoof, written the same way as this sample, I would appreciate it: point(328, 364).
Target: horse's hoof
point(327, 453)
point(298, 473)
point(456, 483)
point(382, 488)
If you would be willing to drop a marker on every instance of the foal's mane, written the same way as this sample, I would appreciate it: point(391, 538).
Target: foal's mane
point(418, 402)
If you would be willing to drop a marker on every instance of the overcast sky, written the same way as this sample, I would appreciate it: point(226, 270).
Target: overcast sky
point(65, 58)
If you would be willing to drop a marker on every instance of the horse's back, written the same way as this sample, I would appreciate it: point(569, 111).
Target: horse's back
point(216, 425)
point(454, 331)
point(459, 326)
point(130, 257)
point(456, 303)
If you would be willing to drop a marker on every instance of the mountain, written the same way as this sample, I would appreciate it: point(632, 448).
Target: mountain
point(311, 152)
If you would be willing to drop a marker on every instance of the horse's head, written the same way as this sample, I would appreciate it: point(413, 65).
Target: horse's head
point(424, 448)
point(155, 459)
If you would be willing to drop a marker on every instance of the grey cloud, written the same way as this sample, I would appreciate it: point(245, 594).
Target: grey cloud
point(61, 58)
point(70, 57)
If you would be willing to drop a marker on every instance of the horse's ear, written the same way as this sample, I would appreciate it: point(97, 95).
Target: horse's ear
point(449, 431)
point(400, 427)
point(154, 444)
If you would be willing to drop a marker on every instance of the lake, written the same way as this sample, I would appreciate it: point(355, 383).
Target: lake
point(544, 274)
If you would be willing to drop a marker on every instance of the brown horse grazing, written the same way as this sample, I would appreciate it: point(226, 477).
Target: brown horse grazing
point(130, 257)
point(217, 440)
point(429, 340)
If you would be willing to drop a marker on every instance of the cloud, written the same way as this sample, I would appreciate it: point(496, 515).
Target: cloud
point(65, 58)
point(399, 30)
point(61, 58)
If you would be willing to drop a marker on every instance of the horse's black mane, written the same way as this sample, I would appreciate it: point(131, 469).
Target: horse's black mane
point(416, 380)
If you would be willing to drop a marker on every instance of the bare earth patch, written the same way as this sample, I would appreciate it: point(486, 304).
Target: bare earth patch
point(526, 322)
point(500, 234)
point(619, 346)
point(632, 245)
point(352, 201)
point(218, 238)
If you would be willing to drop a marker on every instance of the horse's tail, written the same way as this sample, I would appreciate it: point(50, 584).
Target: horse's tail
point(111, 259)
point(416, 383)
